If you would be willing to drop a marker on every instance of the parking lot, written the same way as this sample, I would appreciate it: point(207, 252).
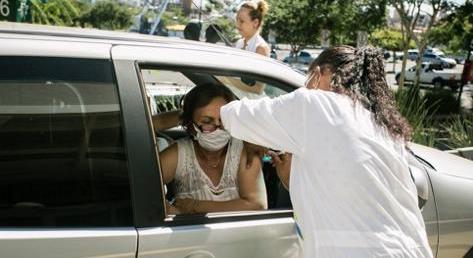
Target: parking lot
point(392, 69)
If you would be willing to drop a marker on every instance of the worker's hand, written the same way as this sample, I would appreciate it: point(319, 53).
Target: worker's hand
point(252, 151)
point(282, 163)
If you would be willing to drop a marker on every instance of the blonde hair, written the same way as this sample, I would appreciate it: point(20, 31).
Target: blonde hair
point(258, 9)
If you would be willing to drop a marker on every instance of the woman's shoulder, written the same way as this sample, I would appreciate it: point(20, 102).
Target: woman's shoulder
point(260, 42)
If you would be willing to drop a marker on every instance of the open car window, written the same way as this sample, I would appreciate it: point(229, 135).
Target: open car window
point(165, 88)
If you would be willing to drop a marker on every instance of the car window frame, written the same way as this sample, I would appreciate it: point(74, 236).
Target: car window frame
point(215, 217)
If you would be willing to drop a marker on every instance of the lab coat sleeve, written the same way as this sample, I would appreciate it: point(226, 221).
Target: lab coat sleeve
point(274, 123)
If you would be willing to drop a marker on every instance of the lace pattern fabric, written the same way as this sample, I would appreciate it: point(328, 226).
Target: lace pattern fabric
point(192, 182)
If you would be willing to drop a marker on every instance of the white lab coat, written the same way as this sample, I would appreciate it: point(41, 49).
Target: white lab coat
point(350, 185)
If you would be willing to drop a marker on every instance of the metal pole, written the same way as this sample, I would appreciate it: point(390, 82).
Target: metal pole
point(200, 12)
point(158, 19)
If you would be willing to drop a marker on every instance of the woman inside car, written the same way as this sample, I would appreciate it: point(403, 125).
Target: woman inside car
point(209, 167)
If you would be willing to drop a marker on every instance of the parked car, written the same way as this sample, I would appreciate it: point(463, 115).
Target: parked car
point(412, 54)
point(273, 54)
point(434, 75)
point(386, 54)
point(303, 57)
point(441, 60)
point(79, 157)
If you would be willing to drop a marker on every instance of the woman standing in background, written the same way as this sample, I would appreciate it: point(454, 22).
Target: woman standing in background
point(248, 22)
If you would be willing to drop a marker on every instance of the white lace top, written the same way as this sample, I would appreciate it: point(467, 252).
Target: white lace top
point(192, 182)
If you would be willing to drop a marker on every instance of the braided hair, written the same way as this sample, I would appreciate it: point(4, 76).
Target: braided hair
point(359, 74)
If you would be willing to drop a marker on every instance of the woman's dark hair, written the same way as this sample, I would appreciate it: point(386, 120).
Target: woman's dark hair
point(257, 9)
point(200, 96)
point(359, 73)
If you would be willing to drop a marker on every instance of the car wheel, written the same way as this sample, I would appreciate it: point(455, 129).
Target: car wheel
point(454, 87)
point(438, 83)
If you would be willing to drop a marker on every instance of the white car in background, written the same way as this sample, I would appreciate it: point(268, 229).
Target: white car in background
point(434, 75)
point(439, 59)
point(79, 166)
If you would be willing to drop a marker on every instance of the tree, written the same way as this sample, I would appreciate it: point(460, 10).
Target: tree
point(390, 39)
point(55, 12)
point(293, 22)
point(456, 29)
point(108, 15)
point(300, 22)
point(410, 12)
point(346, 18)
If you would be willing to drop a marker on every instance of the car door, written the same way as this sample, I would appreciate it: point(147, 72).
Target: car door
point(65, 187)
point(266, 233)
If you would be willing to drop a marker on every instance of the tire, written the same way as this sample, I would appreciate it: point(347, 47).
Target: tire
point(397, 78)
point(438, 83)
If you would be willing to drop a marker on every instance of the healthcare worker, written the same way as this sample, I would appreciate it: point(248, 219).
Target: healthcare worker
point(349, 182)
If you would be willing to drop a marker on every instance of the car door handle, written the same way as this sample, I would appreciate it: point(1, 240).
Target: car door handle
point(200, 254)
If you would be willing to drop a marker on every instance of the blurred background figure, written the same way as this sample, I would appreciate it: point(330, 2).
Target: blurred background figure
point(211, 34)
point(192, 31)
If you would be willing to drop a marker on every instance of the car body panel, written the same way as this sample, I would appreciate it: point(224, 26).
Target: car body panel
point(59, 243)
point(253, 63)
point(452, 183)
point(51, 48)
point(446, 163)
point(259, 238)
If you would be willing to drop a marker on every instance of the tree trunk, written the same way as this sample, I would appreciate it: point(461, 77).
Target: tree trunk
point(403, 68)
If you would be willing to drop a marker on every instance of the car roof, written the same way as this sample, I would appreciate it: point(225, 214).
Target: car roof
point(19, 30)
point(16, 39)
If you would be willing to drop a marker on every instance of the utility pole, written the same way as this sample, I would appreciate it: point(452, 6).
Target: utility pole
point(200, 12)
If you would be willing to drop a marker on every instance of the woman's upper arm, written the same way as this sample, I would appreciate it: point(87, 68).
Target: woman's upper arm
point(168, 160)
point(263, 50)
point(251, 182)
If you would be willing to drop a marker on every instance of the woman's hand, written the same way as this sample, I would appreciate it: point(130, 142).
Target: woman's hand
point(171, 209)
point(186, 205)
point(282, 163)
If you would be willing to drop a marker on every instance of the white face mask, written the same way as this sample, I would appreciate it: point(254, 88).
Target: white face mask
point(213, 141)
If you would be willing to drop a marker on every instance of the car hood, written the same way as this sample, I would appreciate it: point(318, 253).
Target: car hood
point(445, 162)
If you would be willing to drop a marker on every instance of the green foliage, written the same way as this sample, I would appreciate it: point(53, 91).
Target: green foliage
point(55, 12)
point(419, 115)
point(300, 22)
point(390, 39)
point(228, 28)
point(172, 16)
point(443, 101)
point(166, 103)
point(455, 29)
point(293, 21)
point(460, 132)
point(108, 15)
